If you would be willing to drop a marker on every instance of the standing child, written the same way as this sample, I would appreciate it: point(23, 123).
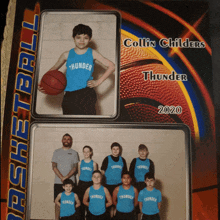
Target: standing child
point(80, 97)
point(67, 201)
point(140, 166)
point(150, 199)
point(125, 198)
point(112, 167)
point(85, 170)
point(95, 198)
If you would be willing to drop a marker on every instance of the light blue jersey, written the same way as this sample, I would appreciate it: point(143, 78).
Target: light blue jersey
point(86, 170)
point(141, 168)
point(125, 199)
point(79, 70)
point(150, 200)
point(67, 204)
point(97, 201)
point(113, 171)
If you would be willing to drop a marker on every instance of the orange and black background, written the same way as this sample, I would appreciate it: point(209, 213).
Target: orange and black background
point(205, 152)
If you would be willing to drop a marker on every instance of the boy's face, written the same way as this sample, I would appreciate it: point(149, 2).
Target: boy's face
point(67, 141)
point(126, 179)
point(96, 178)
point(143, 153)
point(150, 182)
point(81, 40)
point(87, 153)
point(115, 151)
point(68, 188)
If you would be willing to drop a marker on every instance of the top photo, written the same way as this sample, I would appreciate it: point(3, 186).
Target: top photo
point(77, 66)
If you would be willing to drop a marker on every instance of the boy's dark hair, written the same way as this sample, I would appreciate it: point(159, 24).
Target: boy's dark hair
point(82, 29)
point(91, 150)
point(68, 181)
point(96, 171)
point(116, 144)
point(142, 147)
point(68, 136)
point(125, 173)
point(149, 176)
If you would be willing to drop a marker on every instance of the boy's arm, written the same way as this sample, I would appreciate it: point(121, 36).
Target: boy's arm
point(110, 67)
point(104, 165)
point(62, 59)
point(86, 198)
point(131, 169)
point(140, 206)
point(159, 205)
point(77, 201)
point(152, 167)
point(125, 168)
point(108, 198)
point(95, 166)
point(57, 200)
point(135, 197)
point(114, 196)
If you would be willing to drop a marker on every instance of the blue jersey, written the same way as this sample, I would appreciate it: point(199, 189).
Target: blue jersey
point(125, 199)
point(141, 168)
point(113, 171)
point(86, 170)
point(67, 204)
point(150, 200)
point(97, 201)
point(79, 70)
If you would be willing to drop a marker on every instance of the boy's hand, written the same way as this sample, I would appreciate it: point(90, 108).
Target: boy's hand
point(41, 88)
point(93, 83)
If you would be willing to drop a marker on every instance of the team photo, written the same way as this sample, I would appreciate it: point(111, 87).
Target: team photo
point(108, 172)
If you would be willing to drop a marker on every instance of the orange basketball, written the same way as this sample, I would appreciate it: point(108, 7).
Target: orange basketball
point(143, 98)
point(53, 82)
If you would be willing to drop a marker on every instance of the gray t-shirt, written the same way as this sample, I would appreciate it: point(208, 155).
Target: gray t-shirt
point(66, 160)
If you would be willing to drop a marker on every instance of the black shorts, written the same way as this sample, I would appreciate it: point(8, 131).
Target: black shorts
point(58, 188)
point(82, 187)
point(150, 217)
point(124, 216)
point(104, 216)
point(80, 102)
point(72, 217)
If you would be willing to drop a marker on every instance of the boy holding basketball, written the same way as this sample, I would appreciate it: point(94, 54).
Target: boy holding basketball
point(125, 198)
point(150, 199)
point(67, 201)
point(80, 97)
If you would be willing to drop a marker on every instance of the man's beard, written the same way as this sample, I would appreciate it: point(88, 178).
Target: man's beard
point(65, 144)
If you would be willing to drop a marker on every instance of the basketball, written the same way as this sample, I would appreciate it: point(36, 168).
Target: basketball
point(143, 98)
point(53, 82)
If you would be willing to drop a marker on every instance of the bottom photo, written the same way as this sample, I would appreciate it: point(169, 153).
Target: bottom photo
point(110, 171)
